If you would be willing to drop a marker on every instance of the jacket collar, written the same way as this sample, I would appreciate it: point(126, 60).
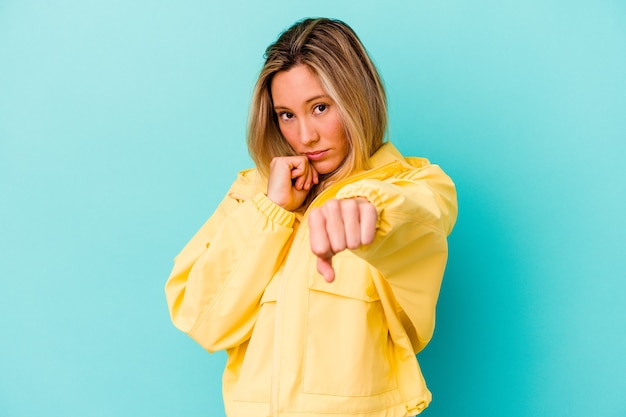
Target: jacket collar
point(386, 154)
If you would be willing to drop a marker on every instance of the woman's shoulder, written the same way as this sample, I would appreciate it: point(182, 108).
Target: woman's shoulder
point(248, 176)
point(248, 183)
point(407, 167)
point(388, 153)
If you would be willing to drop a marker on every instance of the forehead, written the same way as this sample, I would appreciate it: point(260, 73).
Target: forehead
point(295, 86)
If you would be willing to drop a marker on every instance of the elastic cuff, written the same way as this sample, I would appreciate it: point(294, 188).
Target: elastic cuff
point(273, 211)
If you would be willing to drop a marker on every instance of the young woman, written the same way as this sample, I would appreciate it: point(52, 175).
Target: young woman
point(320, 270)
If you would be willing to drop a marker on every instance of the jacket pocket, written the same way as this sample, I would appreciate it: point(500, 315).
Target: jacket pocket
point(256, 366)
point(348, 350)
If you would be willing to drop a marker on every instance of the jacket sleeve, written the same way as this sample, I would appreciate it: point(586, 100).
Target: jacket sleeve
point(215, 287)
point(416, 211)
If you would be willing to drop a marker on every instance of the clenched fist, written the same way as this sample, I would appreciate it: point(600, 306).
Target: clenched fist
point(291, 179)
point(339, 225)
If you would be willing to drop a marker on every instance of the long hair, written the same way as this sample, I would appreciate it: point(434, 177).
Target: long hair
point(333, 51)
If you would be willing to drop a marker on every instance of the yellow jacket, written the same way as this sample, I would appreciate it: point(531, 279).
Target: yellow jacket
point(298, 346)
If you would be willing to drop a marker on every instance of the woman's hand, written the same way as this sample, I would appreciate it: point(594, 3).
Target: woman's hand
point(339, 225)
point(291, 179)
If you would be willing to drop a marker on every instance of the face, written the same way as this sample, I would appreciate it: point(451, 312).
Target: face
point(309, 119)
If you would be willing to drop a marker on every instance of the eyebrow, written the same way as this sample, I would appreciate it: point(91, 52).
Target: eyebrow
point(279, 107)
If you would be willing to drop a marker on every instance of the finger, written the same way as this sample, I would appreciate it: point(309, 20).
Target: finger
point(300, 171)
point(325, 268)
point(368, 218)
point(310, 177)
point(298, 167)
point(283, 186)
point(279, 179)
point(352, 229)
point(335, 229)
point(299, 183)
point(320, 245)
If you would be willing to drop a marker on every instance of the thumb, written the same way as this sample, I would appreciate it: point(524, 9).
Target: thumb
point(325, 268)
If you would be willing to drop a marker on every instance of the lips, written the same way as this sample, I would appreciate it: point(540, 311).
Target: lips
point(317, 155)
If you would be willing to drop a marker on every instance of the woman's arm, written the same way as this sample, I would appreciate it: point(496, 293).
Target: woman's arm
point(414, 213)
point(218, 279)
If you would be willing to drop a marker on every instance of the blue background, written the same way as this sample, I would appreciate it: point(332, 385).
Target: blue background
point(122, 125)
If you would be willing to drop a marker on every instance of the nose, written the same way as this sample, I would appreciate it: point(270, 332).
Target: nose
point(308, 132)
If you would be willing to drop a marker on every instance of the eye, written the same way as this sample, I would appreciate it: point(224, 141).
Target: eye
point(320, 108)
point(285, 116)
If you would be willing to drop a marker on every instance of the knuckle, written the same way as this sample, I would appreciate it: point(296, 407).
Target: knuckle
point(332, 205)
point(369, 209)
point(320, 249)
point(316, 249)
point(349, 205)
point(337, 245)
point(353, 244)
point(314, 216)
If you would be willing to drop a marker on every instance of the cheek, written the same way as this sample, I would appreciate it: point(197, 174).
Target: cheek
point(289, 135)
point(337, 131)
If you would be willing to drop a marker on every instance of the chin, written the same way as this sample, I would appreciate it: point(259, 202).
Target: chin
point(324, 169)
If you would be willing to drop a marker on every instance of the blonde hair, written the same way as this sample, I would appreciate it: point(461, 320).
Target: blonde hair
point(332, 50)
